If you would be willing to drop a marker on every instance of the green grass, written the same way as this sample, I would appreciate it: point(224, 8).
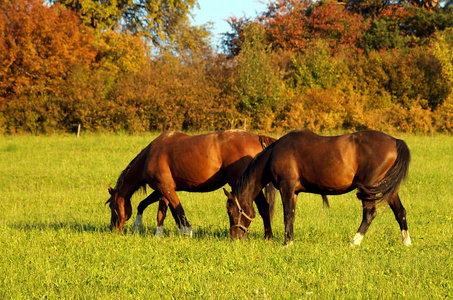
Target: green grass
point(55, 242)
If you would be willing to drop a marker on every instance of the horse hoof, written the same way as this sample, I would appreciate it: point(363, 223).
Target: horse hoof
point(138, 228)
point(138, 223)
point(186, 231)
point(406, 238)
point(159, 232)
point(357, 240)
point(288, 244)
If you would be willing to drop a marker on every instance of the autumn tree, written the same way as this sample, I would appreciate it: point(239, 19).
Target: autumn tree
point(39, 45)
point(333, 23)
point(287, 23)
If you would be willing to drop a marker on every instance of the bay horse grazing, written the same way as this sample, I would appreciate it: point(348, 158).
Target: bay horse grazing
point(301, 161)
point(176, 161)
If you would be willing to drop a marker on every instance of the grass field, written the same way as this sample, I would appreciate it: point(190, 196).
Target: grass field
point(55, 241)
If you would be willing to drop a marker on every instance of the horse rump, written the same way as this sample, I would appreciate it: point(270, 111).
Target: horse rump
point(392, 180)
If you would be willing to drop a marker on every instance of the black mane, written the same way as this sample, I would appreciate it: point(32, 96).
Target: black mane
point(126, 170)
point(248, 173)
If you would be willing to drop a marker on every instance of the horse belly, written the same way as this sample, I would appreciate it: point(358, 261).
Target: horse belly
point(197, 173)
point(330, 182)
point(205, 182)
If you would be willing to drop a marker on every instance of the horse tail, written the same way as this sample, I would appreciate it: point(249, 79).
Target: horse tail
point(325, 201)
point(265, 141)
point(269, 192)
point(392, 180)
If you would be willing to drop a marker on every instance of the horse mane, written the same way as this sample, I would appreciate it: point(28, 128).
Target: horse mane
point(249, 172)
point(123, 174)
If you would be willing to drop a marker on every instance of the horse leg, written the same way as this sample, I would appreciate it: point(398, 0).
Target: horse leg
point(161, 214)
point(369, 213)
point(178, 213)
point(264, 211)
point(289, 209)
point(142, 206)
point(400, 215)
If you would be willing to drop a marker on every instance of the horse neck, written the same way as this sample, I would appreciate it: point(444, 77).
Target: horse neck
point(132, 177)
point(130, 185)
point(253, 179)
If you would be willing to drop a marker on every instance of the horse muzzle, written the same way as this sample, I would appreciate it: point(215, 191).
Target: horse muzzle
point(238, 232)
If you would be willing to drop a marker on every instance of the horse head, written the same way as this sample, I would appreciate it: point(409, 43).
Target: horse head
point(240, 217)
point(121, 209)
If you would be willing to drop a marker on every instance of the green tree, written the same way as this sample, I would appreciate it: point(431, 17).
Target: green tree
point(258, 81)
point(165, 23)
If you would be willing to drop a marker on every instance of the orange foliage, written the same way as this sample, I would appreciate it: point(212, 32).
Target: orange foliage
point(39, 45)
point(337, 25)
point(304, 65)
point(287, 23)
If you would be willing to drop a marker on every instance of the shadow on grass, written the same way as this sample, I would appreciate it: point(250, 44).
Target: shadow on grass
point(200, 233)
point(56, 226)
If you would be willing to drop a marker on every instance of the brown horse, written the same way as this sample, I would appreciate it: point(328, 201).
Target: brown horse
point(301, 161)
point(179, 162)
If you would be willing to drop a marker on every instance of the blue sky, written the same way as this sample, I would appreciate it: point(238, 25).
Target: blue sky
point(217, 11)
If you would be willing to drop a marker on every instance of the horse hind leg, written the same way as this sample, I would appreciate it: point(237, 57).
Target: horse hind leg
point(369, 213)
point(161, 215)
point(289, 199)
point(178, 213)
point(400, 215)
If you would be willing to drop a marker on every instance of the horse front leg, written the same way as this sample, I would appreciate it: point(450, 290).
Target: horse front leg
point(369, 213)
point(155, 196)
point(264, 211)
point(400, 215)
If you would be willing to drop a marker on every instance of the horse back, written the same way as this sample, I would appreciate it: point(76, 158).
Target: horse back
point(201, 162)
point(332, 164)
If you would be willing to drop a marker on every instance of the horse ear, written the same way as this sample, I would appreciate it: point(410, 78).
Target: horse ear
point(228, 194)
point(111, 191)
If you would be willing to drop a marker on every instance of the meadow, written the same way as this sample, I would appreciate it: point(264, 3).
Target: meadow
point(55, 241)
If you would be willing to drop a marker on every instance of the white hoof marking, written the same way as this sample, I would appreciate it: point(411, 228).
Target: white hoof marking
point(138, 223)
point(186, 231)
point(406, 238)
point(159, 232)
point(288, 244)
point(357, 240)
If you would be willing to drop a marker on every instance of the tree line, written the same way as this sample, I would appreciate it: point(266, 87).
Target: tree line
point(141, 65)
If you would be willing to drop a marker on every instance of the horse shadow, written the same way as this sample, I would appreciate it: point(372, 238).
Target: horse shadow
point(200, 233)
point(57, 226)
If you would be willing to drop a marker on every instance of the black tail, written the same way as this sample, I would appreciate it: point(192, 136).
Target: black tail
point(392, 180)
point(269, 192)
